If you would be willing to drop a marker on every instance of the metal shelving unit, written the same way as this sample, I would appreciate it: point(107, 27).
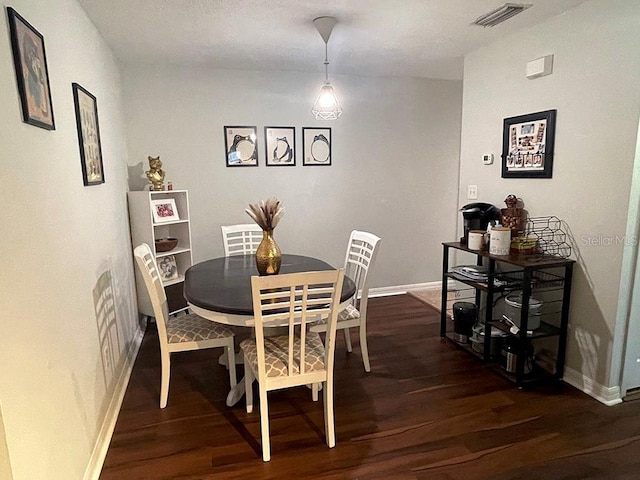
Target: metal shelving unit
point(546, 275)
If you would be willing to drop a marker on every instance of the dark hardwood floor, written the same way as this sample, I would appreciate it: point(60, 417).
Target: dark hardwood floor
point(426, 411)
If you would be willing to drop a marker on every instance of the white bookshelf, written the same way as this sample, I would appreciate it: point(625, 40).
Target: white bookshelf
point(145, 230)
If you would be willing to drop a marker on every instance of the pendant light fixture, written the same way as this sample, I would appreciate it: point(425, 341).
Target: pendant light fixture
point(326, 106)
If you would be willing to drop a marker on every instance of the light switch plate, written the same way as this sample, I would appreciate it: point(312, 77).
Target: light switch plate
point(487, 158)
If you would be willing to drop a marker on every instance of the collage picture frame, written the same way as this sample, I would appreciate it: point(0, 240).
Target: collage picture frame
point(528, 145)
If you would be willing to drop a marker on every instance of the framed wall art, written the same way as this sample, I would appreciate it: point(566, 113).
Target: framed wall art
point(241, 146)
point(164, 210)
point(527, 145)
point(316, 145)
point(30, 61)
point(280, 146)
point(88, 136)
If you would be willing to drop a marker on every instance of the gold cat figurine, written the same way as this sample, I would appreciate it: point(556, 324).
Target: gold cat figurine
point(155, 173)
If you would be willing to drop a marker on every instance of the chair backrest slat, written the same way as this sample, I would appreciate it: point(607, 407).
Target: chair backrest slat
point(242, 239)
point(361, 254)
point(149, 270)
point(294, 300)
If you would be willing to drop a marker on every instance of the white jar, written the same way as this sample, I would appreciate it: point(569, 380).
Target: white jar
point(500, 242)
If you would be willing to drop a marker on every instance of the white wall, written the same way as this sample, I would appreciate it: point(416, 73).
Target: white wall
point(394, 171)
point(58, 238)
point(594, 87)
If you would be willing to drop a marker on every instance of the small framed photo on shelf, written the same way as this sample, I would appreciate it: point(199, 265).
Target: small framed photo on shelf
point(527, 145)
point(30, 63)
point(280, 146)
point(241, 146)
point(88, 136)
point(167, 268)
point(164, 210)
point(316, 145)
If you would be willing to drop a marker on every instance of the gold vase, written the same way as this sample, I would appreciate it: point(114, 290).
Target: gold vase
point(268, 256)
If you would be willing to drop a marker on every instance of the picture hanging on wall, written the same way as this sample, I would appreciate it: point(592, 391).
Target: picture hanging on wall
point(316, 145)
point(30, 63)
point(280, 146)
point(527, 145)
point(88, 136)
point(241, 146)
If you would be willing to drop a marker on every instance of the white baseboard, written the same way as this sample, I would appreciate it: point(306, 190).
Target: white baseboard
point(607, 395)
point(402, 289)
point(96, 461)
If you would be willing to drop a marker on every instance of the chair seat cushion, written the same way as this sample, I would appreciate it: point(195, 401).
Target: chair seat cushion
point(276, 351)
point(192, 328)
point(348, 313)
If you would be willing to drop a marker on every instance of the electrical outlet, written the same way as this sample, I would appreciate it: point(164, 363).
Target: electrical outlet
point(472, 192)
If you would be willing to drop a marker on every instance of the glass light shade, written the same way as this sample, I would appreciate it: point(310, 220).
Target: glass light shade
point(327, 106)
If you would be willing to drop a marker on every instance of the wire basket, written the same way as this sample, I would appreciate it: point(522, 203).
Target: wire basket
point(552, 240)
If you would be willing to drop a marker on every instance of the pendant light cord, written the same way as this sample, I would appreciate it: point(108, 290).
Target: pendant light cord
point(326, 63)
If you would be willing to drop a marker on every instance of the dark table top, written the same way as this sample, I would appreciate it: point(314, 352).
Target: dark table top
point(224, 284)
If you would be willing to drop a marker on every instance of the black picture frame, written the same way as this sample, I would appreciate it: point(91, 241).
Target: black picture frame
point(86, 107)
point(32, 74)
point(528, 145)
point(241, 146)
point(280, 146)
point(316, 146)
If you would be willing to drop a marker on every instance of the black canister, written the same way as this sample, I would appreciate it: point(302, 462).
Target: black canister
point(464, 318)
point(510, 354)
point(511, 349)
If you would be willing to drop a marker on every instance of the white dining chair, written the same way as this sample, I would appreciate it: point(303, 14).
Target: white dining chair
point(296, 357)
point(241, 239)
point(361, 255)
point(183, 332)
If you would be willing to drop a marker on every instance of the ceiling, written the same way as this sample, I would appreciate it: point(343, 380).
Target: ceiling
point(415, 38)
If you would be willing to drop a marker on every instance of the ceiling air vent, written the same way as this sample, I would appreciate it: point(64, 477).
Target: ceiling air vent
point(500, 14)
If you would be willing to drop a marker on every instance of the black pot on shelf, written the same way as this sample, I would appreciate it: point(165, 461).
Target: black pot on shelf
point(465, 315)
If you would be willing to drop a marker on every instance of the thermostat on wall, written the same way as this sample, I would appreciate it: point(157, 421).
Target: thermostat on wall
point(487, 158)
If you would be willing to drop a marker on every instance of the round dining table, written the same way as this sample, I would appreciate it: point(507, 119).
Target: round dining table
point(220, 290)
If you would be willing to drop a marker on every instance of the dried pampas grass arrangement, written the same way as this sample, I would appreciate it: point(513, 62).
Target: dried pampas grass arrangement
point(267, 213)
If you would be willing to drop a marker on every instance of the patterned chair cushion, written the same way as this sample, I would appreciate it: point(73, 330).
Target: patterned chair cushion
point(348, 313)
point(192, 328)
point(276, 350)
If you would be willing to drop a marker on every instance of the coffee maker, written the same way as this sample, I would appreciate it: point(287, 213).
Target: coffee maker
point(477, 216)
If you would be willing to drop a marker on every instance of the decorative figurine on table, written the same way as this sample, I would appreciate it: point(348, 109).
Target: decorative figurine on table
point(155, 173)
